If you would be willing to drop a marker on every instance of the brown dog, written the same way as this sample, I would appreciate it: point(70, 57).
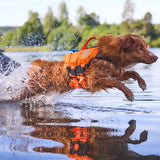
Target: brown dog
point(117, 52)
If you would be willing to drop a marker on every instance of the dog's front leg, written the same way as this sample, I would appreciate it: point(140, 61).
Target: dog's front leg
point(135, 76)
point(110, 83)
point(129, 131)
point(143, 138)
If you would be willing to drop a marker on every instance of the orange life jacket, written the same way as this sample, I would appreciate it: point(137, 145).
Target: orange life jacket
point(77, 63)
point(78, 144)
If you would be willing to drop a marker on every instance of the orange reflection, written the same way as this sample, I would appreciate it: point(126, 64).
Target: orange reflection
point(78, 144)
point(82, 143)
point(88, 143)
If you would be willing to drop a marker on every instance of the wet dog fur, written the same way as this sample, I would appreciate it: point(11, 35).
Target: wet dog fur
point(118, 53)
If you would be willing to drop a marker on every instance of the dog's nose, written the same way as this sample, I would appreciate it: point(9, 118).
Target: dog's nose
point(155, 58)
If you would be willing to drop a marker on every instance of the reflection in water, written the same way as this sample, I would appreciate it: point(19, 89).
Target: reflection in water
point(81, 143)
point(34, 131)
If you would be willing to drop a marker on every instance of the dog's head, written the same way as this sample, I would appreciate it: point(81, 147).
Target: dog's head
point(125, 50)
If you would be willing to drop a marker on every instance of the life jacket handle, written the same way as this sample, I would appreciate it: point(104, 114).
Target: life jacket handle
point(86, 43)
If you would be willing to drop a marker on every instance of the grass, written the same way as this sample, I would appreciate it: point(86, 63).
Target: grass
point(28, 49)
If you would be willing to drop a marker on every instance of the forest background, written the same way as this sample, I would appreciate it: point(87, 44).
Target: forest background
point(57, 33)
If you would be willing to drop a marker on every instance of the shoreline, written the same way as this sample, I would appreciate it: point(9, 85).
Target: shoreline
point(27, 49)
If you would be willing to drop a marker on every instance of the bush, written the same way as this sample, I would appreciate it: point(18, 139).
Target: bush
point(7, 39)
point(155, 43)
point(98, 31)
point(63, 38)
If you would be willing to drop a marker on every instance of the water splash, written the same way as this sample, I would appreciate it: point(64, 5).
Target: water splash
point(50, 98)
point(13, 84)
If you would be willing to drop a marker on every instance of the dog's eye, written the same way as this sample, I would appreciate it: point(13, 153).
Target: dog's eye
point(140, 48)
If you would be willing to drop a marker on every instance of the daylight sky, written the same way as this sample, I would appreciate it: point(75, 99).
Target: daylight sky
point(15, 12)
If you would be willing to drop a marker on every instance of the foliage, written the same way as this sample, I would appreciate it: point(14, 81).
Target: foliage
point(63, 13)
point(31, 33)
point(85, 19)
point(57, 33)
point(98, 31)
point(148, 28)
point(7, 40)
point(7, 28)
point(28, 49)
point(89, 20)
point(50, 22)
point(63, 38)
point(155, 42)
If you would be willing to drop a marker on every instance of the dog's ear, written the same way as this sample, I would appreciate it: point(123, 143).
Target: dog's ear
point(108, 44)
point(126, 42)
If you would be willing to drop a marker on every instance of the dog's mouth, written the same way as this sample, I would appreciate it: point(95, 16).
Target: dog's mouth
point(152, 59)
point(130, 66)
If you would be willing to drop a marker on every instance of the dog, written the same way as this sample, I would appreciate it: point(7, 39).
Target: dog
point(117, 54)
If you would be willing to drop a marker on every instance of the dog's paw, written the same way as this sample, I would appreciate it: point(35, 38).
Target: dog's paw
point(143, 87)
point(143, 136)
point(128, 93)
point(142, 84)
point(132, 124)
point(130, 96)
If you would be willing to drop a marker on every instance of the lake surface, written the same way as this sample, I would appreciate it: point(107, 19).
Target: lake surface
point(78, 125)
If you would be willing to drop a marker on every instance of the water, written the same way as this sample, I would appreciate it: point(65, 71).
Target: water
point(77, 124)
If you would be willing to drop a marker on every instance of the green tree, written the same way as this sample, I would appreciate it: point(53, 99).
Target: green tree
point(98, 31)
point(156, 30)
point(80, 13)
point(31, 33)
point(125, 27)
point(155, 42)
point(50, 22)
point(15, 38)
point(63, 13)
point(148, 28)
point(1, 38)
point(89, 20)
point(7, 39)
point(136, 26)
point(127, 17)
point(148, 17)
point(63, 38)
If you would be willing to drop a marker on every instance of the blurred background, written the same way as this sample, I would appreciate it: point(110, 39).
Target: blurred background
point(60, 25)
point(47, 126)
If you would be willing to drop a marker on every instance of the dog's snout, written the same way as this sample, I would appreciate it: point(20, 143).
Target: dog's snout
point(149, 58)
point(153, 56)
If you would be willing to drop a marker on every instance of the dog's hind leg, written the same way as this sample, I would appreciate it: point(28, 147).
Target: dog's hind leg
point(135, 76)
point(110, 83)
